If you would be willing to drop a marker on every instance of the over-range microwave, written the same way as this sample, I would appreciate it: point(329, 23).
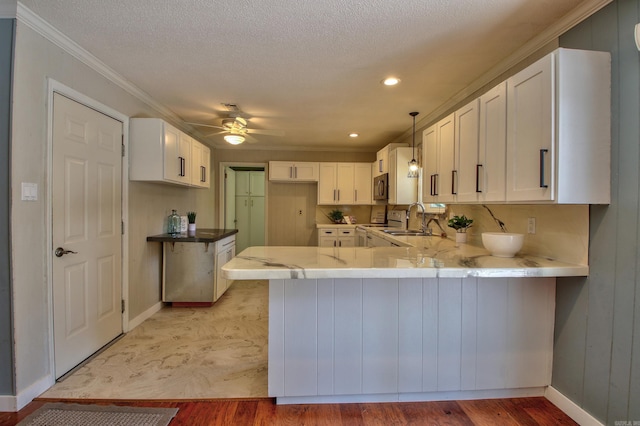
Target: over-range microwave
point(381, 187)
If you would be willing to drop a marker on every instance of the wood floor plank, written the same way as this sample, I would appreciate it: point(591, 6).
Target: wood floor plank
point(240, 412)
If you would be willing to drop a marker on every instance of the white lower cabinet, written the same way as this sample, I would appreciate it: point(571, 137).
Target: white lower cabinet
point(390, 339)
point(336, 237)
point(225, 251)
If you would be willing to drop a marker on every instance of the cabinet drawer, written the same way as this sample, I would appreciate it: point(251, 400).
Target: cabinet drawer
point(346, 232)
point(328, 232)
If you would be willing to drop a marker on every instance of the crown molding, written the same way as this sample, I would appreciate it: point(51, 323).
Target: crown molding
point(571, 19)
point(46, 30)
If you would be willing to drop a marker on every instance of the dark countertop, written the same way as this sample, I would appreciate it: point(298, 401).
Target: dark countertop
point(201, 236)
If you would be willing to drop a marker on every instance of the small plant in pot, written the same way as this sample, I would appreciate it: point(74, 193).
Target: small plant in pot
point(191, 217)
point(336, 216)
point(460, 224)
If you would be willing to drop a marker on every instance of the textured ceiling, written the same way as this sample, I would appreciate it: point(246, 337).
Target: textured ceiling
point(311, 68)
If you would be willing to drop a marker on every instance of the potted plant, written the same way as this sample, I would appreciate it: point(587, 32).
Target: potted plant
point(336, 216)
point(191, 217)
point(460, 224)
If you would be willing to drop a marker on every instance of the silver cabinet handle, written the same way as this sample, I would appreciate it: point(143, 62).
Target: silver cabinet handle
point(61, 252)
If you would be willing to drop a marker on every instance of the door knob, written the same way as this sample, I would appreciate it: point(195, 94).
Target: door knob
point(61, 252)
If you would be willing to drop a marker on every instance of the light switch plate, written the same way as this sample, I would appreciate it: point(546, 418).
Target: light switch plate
point(29, 191)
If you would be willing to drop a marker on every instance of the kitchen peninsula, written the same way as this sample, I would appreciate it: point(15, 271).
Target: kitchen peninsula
point(428, 321)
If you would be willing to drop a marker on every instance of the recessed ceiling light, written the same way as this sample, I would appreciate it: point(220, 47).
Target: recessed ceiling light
point(390, 81)
point(353, 135)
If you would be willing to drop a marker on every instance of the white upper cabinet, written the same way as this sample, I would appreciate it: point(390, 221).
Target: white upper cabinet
point(288, 171)
point(558, 129)
point(382, 158)
point(161, 153)
point(402, 189)
point(492, 145)
point(344, 184)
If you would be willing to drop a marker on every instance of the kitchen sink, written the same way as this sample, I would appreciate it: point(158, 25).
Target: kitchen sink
point(406, 233)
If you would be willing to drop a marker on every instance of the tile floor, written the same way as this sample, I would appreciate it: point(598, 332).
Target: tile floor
point(183, 353)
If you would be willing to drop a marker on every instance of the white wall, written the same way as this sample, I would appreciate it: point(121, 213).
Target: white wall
point(37, 59)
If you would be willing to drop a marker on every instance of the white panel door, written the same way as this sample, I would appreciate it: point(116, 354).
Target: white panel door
point(86, 216)
point(256, 219)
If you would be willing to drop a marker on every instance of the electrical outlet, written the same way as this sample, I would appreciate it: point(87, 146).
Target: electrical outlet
point(531, 225)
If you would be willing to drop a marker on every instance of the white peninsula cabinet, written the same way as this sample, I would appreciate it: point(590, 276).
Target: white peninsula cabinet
point(287, 171)
point(558, 129)
point(161, 153)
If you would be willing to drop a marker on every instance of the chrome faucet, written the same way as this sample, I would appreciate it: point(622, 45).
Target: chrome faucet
point(423, 226)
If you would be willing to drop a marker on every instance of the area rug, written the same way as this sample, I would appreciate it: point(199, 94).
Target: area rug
point(55, 413)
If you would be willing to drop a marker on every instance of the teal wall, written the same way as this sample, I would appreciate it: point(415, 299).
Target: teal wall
point(597, 342)
point(6, 341)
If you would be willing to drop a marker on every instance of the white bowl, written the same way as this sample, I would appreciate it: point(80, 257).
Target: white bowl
point(502, 244)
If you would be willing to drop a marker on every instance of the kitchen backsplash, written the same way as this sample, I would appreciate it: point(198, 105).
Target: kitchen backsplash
point(562, 231)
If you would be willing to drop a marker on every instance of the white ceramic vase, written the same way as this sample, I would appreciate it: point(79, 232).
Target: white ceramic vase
point(461, 237)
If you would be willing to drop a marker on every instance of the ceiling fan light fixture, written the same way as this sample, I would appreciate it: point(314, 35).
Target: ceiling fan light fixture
point(353, 135)
point(234, 139)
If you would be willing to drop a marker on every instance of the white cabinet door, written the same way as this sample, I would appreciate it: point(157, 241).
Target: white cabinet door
point(530, 136)
point(429, 164)
point(327, 183)
point(492, 145)
point(286, 171)
point(307, 172)
point(438, 153)
point(256, 219)
point(256, 183)
point(250, 183)
point(345, 177)
point(466, 153)
point(225, 251)
point(382, 161)
point(362, 183)
point(173, 164)
point(200, 162)
point(445, 132)
point(243, 222)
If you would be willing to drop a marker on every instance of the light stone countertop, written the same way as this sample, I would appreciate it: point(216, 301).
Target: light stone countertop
point(421, 257)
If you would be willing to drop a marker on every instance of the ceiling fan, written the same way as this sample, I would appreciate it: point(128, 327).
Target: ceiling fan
point(235, 128)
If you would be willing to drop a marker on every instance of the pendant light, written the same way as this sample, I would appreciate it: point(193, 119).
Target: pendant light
point(413, 164)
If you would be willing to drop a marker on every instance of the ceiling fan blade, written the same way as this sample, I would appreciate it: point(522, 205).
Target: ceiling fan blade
point(266, 132)
point(204, 125)
point(216, 133)
point(250, 139)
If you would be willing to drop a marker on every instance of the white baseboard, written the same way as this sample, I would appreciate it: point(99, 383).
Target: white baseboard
point(143, 316)
point(11, 403)
point(413, 397)
point(570, 408)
